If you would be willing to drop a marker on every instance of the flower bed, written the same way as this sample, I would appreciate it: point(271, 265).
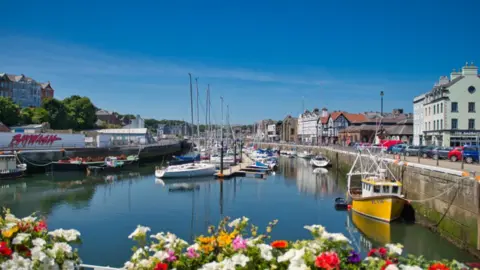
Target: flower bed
point(26, 244)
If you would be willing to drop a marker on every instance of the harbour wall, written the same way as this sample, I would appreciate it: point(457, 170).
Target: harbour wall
point(38, 159)
point(445, 200)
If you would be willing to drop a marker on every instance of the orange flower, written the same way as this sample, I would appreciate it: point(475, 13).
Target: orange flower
point(279, 244)
point(438, 266)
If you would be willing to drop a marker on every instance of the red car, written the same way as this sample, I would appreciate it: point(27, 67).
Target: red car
point(455, 154)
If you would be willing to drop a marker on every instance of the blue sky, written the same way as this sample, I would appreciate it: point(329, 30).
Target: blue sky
point(261, 56)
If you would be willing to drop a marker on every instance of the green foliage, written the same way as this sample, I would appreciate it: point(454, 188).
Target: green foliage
point(40, 115)
point(9, 112)
point(81, 112)
point(26, 115)
point(59, 118)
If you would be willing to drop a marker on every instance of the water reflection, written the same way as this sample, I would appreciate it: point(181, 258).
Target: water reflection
point(106, 208)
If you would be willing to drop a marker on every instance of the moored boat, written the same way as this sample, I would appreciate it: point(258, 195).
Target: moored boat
point(10, 168)
point(320, 161)
point(304, 155)
point(186, 171)
point(380, 195)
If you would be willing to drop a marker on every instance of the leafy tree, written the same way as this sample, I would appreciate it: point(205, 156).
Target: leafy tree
point(40, 115)
point(81, 112)
point(57, 112)
point(26, 115)
point(9, 112)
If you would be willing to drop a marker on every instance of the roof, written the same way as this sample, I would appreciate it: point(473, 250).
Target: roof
point(355, 117)
point(103, 112)
point(28, 126)
point(45, 85)
point(403, 129)
point(324, 119)
point(335, 115)
point(359, 128)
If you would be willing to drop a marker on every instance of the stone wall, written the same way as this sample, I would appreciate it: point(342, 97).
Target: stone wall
point(448, 203)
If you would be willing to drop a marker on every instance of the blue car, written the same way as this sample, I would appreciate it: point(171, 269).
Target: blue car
point(470, 154)
point(397, 148)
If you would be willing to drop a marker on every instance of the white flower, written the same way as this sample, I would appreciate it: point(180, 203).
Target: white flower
point(292, 255)
point(253, 241)
point(137, 254)
point(314, 246)
point(410, 267)
point(245, 219)
point(20, 238)
point(212, 266)
point(234, 223)
point(67, 235)
point(395, 249)
point(161, 255)
point(139, 231)
point(336, 237)
point(29, 219)
point(371, 259)
point(38, 242)
point(265, 252)
point(315, 228)
point(240, 259)
point(129, 265)
point(38, 254)
point(145, 263)
point(62, 247)
point(392, 267)
point(68, 265)
point(17, 262)
point(194, 247)
point(11, 218)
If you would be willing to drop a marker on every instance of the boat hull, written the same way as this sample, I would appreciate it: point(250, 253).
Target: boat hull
point(12, 175)
point(319, 163)
point(384, 208)
point(207, 171)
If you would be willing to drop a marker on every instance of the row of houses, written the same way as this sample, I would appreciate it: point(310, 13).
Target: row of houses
point(338, 127)
point(23, 90)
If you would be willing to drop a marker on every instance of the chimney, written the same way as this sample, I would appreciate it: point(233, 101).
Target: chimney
point(469, 70)
point(454, 75)
point(324, 112)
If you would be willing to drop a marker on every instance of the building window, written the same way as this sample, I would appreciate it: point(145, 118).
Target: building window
point(471, 106)
point(434, 126)
point(441, 124)
point(471, 123)
point(426, 126)
point(429, 110)
point(454, 123)
point(441, 107)
point(438, 108)
point(454, 107)
point(426, 111)
point(434, 109)
point(429, 125)
point(471, 89)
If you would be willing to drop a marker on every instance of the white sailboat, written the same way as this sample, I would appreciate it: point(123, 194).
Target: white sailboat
point(186, 171)
point(320, 161)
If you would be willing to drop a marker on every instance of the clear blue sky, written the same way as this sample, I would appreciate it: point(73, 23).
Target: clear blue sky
point(262, 56)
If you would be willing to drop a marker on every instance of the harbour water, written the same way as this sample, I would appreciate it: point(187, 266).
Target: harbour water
point(107, 208)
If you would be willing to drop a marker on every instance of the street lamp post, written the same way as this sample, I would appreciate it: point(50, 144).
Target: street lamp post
point(381, 103)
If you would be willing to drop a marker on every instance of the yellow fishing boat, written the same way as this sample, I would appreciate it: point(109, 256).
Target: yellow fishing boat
point(380, 196)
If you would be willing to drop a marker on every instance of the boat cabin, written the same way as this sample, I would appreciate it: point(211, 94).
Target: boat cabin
point(375, 186)
point(8, 162)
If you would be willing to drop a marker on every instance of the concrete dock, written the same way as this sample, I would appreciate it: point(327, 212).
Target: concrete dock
point(238, 170)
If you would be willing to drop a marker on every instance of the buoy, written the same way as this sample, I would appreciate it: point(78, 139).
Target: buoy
point(349, 206)
point(220, 175)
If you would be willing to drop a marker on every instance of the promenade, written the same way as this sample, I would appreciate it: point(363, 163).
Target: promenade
point(446, 164)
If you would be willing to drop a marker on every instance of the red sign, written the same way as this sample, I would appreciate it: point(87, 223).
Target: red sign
point(33, 139)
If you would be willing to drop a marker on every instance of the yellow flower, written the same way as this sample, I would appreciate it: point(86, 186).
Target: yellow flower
point(225, 239)
point(8, 233)
point(206, 248)
point(206, 240)
point(269, 229)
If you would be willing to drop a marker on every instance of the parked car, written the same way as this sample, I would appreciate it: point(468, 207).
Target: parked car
point(397, 149)
point(439, 152)
point(455, 154)
point(470, 154)
point(424, 150)
point(413, 150)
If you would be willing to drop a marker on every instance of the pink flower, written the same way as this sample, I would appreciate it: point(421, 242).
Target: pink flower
point(171, 256)
point(191, 253)
point(239, 243)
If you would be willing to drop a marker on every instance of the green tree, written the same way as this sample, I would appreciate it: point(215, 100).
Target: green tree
point(40, 115)
point(57, 112)
point(26, 115)
point(81, 112)
point(9, 112)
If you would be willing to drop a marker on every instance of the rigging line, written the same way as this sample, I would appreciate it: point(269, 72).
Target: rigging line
point(439, 195)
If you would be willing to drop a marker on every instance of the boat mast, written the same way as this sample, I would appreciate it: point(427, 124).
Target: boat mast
point(191, 102)
point(198, 114)
point(221, 130)
point(207, 131)
point(303, 118)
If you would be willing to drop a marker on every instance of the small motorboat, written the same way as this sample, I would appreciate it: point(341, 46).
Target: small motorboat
point(10, 167)
point(320, 161)
point(320, 171)
point(304, 155)
point(341, 204)
point(186, 171)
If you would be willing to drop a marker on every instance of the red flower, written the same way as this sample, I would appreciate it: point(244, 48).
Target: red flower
point(438, 266)
point(41, 226)
point(382, 251)
point(279, 244)
point(327, 260)
point(372, 252)
point(23, 226)
point(4, 249)
point(387, 263)
point(161, 266)
point(24, 249)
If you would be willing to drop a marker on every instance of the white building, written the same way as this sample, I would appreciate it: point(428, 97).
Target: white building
point(138, 122)
point(449, 109)
point(418, 123)
point(307, 128)
point(23, 90)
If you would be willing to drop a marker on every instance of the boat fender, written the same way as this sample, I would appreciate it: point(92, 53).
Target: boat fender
point(349, 206)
